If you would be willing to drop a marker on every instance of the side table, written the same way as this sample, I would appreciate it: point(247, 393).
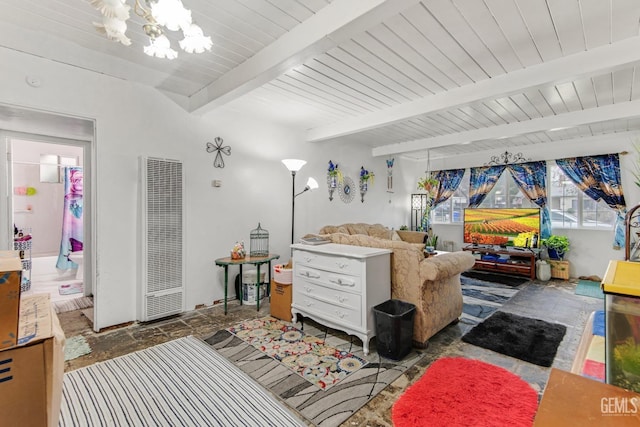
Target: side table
point(255, 260)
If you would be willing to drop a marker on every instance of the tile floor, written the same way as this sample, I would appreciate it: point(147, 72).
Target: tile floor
point(553, 301)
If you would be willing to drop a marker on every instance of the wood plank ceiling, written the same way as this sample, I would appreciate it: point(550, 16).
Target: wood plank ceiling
point(399, 76)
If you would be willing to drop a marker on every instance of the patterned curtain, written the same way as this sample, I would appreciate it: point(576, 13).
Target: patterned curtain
point(482, 180)
point(531, 178)
point(599, 178)
point(448, 182)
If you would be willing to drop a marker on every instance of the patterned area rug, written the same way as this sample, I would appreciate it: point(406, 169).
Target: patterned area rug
point(310, 357)
point(319, 407)
point(481, 298)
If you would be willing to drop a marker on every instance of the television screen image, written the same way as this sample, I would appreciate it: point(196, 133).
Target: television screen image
point(498, 226)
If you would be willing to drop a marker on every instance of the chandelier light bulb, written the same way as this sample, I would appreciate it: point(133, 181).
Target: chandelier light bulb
point(171, 14)
point(112, 8)
point(194, 40)
point(114, 29)
point(160, 48)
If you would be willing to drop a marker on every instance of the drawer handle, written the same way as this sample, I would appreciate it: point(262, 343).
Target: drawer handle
point(308, 289)
point(340, 298)
point(343, 282)
point(342, 264)
point(340, 314)
point(309, 258)
point(309, 303)
point(310, 274)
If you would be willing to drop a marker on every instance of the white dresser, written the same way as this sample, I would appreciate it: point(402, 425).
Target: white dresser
point(337, 285)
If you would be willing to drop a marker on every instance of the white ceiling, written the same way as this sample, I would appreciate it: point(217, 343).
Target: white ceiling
point(399, 76)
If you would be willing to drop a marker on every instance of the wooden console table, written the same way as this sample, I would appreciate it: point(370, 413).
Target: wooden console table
point(520, 261)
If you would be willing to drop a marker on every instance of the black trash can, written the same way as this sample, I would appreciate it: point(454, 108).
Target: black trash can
point(394, 328)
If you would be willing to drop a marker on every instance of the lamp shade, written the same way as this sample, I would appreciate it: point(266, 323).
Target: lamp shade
point(312, 183)
point(294, 165)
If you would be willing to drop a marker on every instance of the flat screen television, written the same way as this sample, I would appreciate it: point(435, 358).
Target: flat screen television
point(499, 226)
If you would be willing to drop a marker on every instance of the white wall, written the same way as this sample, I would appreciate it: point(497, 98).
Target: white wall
point(590, 250)
point(132, 121)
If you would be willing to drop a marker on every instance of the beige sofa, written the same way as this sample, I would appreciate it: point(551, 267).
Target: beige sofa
point(431, 284)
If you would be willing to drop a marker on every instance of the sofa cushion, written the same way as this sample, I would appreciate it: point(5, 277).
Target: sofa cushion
point(329, 229)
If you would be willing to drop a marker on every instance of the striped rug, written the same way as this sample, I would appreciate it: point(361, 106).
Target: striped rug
point(179, 383)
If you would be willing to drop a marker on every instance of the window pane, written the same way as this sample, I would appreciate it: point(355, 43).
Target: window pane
point(506, 194)
point(571, 208)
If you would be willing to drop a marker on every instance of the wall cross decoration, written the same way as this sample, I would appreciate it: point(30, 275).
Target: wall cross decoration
point(218, 162)
point(506, 158)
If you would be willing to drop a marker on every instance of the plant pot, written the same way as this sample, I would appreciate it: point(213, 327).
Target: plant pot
point(555, 254)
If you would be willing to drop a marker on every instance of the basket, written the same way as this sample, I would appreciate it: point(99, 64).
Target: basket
point(559, 269)
point(282, 274)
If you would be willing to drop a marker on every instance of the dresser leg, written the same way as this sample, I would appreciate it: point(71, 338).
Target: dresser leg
point(365, 345)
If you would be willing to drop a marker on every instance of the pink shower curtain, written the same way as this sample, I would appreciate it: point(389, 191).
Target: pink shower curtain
point(71, 217)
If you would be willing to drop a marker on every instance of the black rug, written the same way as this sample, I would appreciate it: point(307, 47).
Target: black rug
point(496, 278)
point(532, 340)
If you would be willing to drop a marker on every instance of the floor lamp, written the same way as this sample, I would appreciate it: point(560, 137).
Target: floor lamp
point(294, 165)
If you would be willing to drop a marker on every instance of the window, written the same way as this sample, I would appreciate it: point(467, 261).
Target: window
point(452, 210)
point(571, 208)
point(506, 194)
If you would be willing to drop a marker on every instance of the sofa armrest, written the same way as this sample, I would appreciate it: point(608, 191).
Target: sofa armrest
point(445, 265)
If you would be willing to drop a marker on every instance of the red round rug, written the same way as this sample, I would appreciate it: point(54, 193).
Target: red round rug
point(465, 392)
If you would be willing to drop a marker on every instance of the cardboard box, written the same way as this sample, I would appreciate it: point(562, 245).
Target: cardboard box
point(281, 301)
point(32, 371)
point(559, 269)
point(10, 279)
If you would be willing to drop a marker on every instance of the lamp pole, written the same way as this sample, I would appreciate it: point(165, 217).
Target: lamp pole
point(293, 202)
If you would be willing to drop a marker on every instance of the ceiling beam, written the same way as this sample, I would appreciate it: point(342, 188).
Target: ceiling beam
point(592, 62)
point(334, 24)
point(624, 110)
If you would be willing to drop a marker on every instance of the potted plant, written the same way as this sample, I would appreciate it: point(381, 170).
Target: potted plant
point(431, 243)
point(556, 245)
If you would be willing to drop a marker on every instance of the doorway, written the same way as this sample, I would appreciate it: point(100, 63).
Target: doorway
point(45, 177)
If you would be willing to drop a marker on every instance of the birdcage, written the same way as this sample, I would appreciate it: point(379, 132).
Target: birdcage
point(259, 242)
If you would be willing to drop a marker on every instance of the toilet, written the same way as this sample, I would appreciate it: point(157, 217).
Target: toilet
point(78, 259)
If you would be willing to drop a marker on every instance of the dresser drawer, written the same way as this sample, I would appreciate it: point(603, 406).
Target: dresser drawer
point(305, 289)
point(330, 279)
point(337, 313)
point(335, 263)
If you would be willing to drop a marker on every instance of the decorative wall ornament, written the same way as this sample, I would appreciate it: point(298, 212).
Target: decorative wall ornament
point(219, 150)
point(365, 177)
point(334, 177)
point(506, 158)
point(346, 189)
point(390, 175)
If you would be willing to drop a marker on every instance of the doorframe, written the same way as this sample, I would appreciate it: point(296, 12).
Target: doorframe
point(89, 187)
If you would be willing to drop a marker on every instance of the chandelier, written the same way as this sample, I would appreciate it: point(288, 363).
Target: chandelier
point(158, 16)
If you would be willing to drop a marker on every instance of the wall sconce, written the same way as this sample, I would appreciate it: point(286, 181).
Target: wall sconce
point(294, 165)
